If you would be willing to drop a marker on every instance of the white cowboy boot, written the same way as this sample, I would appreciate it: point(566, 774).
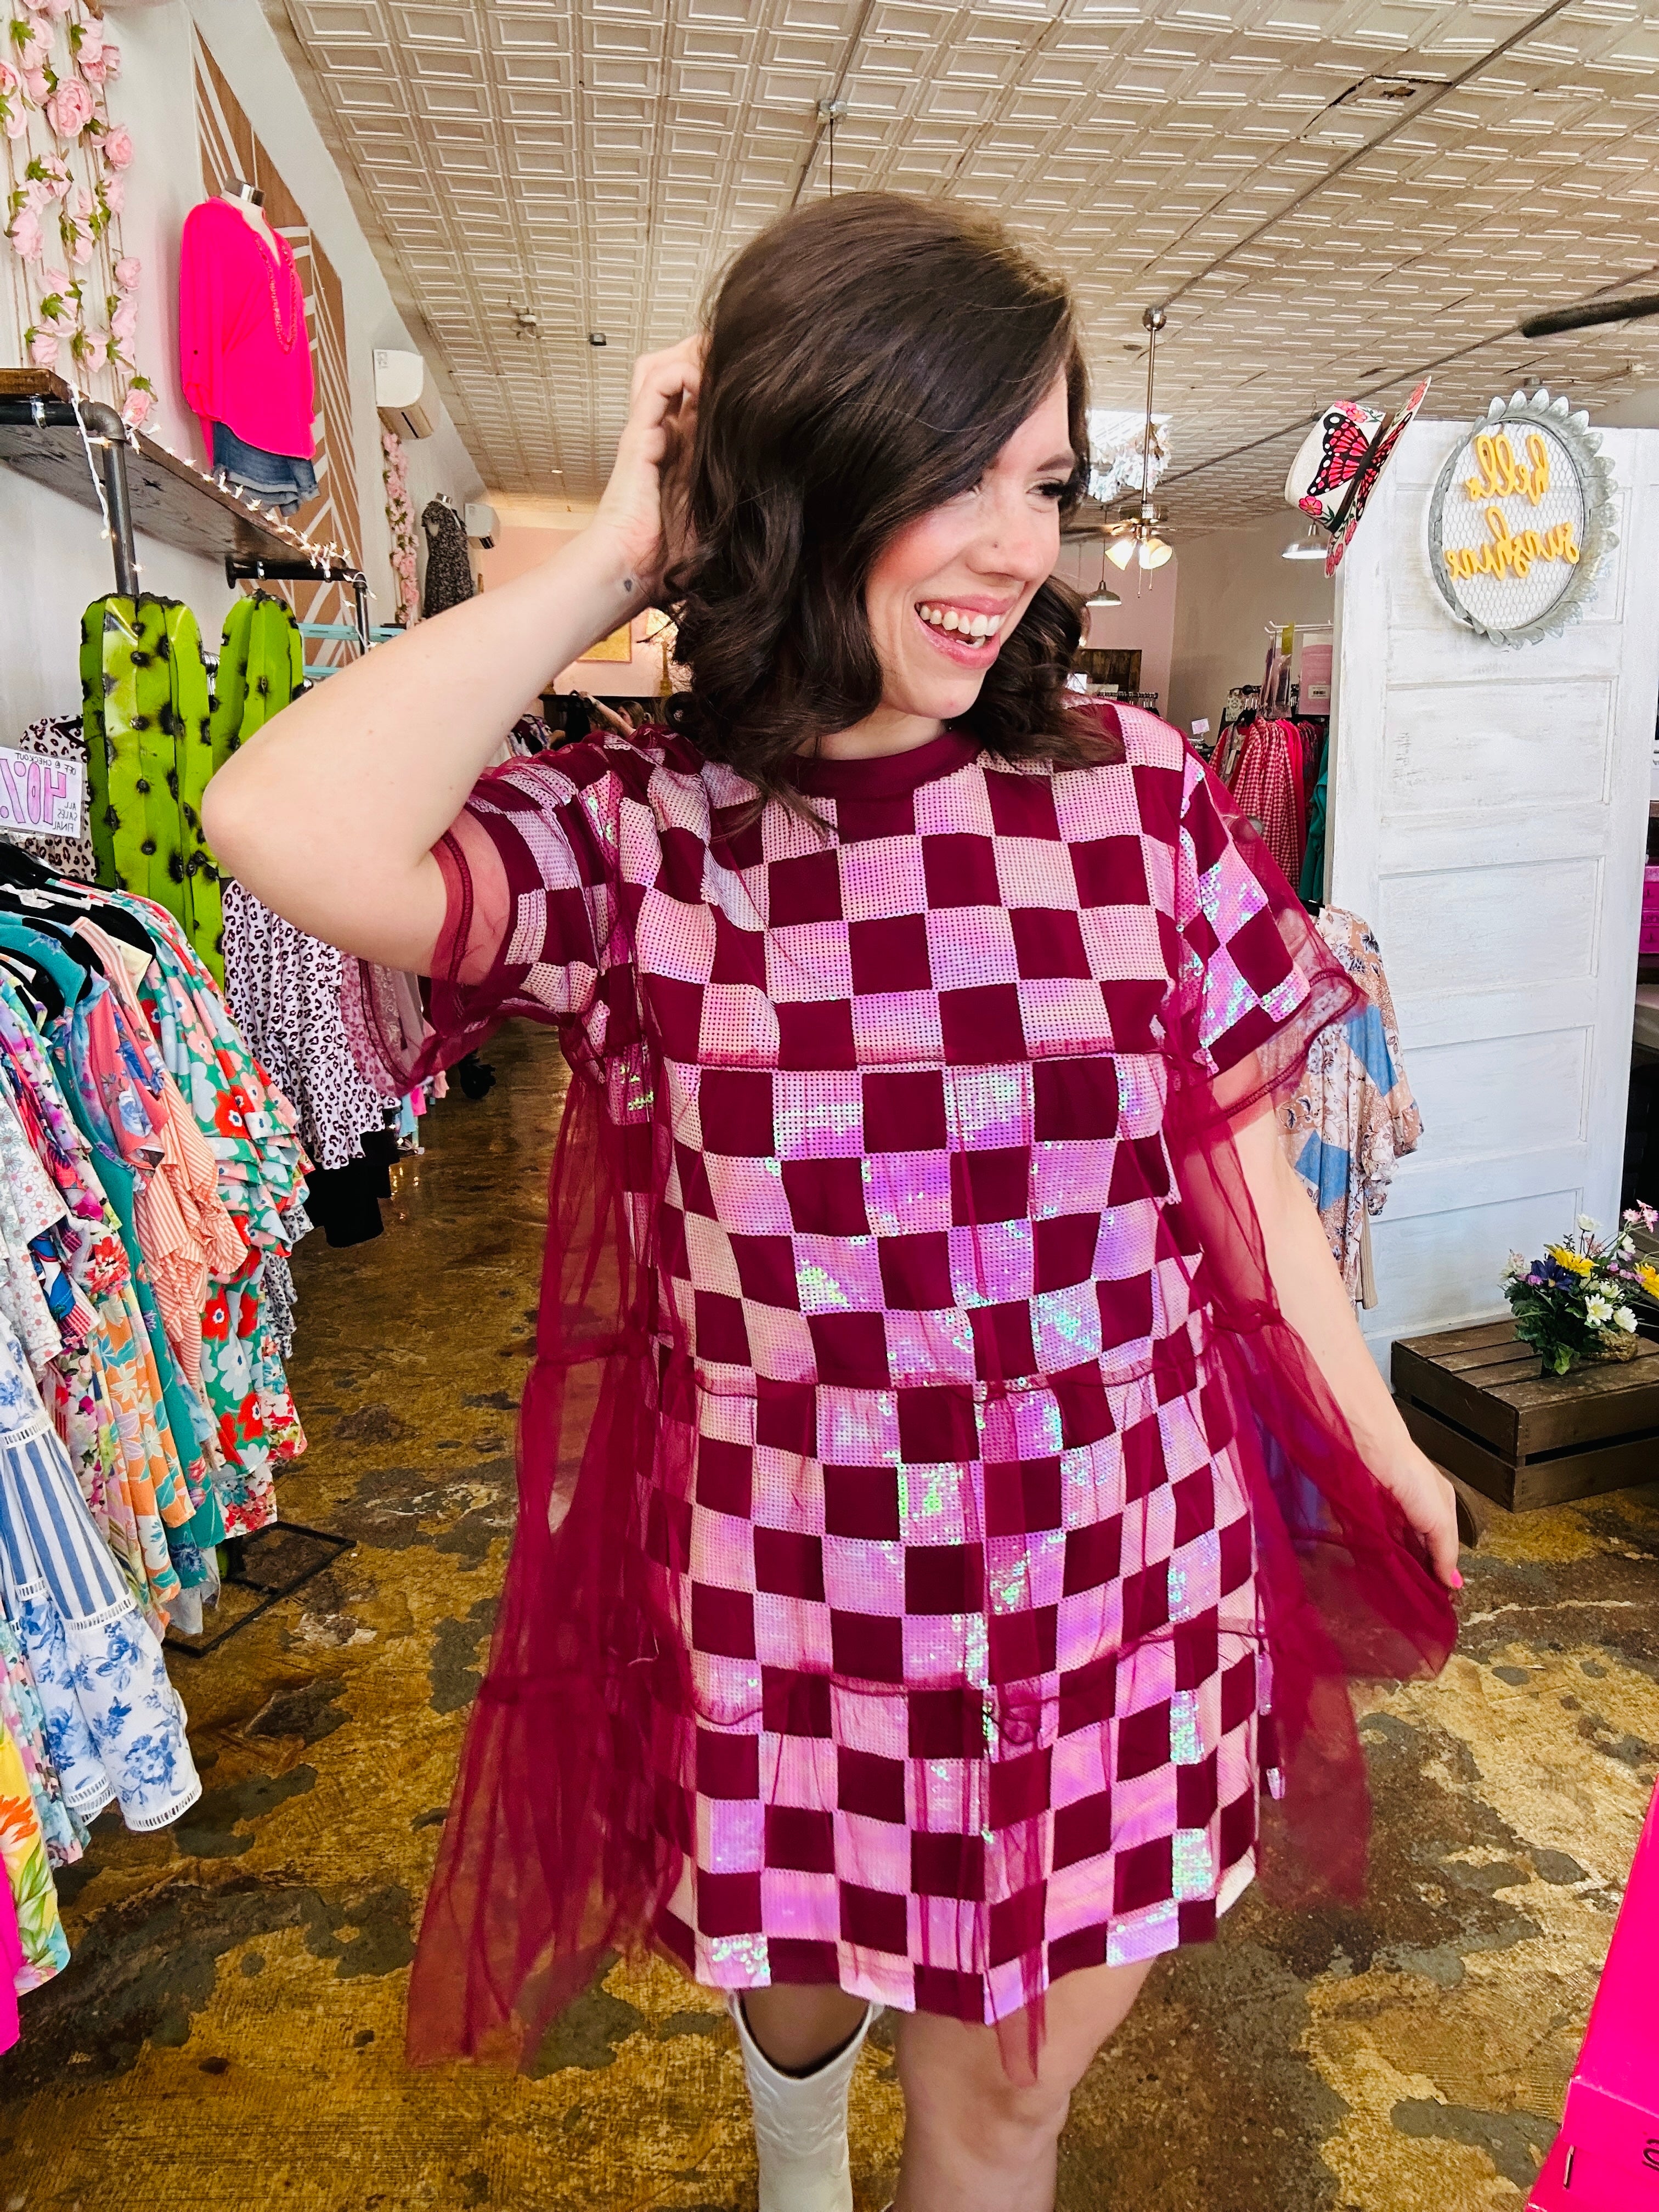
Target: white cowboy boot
point(800, 2125)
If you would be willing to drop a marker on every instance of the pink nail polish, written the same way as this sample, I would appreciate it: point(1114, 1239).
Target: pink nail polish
point(1457, 1580)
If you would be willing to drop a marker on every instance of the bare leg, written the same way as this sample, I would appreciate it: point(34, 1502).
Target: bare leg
point(972, 2136)
point(796, 2025)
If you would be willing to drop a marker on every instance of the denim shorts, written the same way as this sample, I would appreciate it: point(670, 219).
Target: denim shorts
point(282, 479)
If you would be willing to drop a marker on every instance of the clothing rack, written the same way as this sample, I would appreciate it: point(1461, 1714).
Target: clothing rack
point(301, 1553)
point(81, 448)
point(287, 572)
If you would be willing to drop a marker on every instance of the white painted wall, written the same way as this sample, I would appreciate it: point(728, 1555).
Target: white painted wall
point(1233, 585)
point(1489, 817)
point(51, 555)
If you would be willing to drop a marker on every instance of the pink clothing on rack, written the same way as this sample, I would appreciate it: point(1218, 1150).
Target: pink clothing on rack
point(1266, 787)
point(186, 1232)
point(244, 354)
point(1296, 747)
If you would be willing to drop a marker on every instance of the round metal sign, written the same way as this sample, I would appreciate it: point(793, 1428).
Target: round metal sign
point(1520, 516)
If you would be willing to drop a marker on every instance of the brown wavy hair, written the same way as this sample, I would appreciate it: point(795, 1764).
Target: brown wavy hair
point(868, 358)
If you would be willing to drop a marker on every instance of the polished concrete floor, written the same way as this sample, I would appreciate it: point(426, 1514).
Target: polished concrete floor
point(228, 2038)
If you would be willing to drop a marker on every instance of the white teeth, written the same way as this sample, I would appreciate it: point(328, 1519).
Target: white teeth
point(977, 626)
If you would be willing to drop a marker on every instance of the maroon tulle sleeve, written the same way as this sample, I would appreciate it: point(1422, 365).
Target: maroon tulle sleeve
point(528, 920)
point(1344, 1586)
point(553, 1851)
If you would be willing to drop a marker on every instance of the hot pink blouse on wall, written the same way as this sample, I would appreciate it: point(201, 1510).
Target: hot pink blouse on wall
point(245, 353)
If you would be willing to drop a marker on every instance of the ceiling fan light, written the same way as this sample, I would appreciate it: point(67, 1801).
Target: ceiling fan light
point(1120, 553)
point(1154, 552)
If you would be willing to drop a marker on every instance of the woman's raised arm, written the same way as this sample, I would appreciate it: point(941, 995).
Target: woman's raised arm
point(331, 812)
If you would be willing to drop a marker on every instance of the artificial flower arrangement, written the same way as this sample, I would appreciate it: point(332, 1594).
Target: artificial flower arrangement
point(66, 167)
point(1575, 1304)
point(400, 518)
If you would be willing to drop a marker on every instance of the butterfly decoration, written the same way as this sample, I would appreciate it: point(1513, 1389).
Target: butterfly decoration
point(1347, 436)
point(1372, 467)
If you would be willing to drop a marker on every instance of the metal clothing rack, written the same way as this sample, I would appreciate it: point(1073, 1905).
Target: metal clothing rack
point(302, 1553)
point(82, 448)
point(288, 572)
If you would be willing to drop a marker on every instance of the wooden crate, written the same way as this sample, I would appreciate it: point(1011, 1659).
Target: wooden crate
point(1478, 1401)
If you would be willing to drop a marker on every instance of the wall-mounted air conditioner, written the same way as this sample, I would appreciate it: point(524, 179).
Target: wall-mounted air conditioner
point(403, 393)
point(482, 521)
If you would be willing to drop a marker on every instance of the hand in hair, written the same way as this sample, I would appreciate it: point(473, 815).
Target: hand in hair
point(643, 505)
point(400, 735)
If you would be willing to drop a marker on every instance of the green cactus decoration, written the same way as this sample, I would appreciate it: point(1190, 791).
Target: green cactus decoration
point(261, 666)
point(137, 683)
point(100, 821)
point(230, 686)
point(193, 759)
point(150, 755)
point(276, 663)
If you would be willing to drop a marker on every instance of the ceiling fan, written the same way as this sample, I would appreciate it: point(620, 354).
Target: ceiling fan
point(1557, 320)
point(1137, 535)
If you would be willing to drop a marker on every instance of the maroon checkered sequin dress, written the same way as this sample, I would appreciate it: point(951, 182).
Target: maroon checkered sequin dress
point(963, 1565)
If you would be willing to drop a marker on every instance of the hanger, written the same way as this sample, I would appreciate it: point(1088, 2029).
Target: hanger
point(35, 981)
point(117, 921)
point(54, 931)
point(21, 871)
point(18, 865)
point(71, 965)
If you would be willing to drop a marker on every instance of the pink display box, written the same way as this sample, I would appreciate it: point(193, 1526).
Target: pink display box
point(1606, 2158)
point(1647, 942)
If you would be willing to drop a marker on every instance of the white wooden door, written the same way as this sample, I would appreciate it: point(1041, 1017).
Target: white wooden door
point(1489, 816)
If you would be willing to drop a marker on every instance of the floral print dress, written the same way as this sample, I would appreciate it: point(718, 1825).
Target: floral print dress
point(115, 1095)
point(252, 1133)
point(28, 1873)
point(23, 1712)
point(105, 1391)
point(114, 1723)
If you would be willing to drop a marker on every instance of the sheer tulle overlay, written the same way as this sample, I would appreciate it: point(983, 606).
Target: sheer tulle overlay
point(567, 1835)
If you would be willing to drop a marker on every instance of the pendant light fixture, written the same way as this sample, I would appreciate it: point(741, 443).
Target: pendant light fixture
point(1100, 597)
point(1138, 538)
point(1310, 548)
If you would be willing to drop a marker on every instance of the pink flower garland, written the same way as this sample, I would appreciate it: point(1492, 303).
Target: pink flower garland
point(66, 163)
point(400, 515)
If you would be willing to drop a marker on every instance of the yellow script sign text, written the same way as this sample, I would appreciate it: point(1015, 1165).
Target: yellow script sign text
point(1511, 556)
point(1502, 474)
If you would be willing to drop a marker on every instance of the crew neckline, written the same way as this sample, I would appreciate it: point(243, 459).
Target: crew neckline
point(888, 775)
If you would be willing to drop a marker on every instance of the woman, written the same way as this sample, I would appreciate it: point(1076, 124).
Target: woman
point(909, 1617)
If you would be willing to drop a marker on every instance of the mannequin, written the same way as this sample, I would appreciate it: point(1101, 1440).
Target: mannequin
point(244, 352)
point(249, 202)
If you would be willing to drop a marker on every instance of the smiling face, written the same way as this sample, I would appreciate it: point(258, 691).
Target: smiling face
point(947, 590)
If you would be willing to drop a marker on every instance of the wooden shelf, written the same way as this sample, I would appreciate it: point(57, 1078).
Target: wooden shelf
point(39, 437)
